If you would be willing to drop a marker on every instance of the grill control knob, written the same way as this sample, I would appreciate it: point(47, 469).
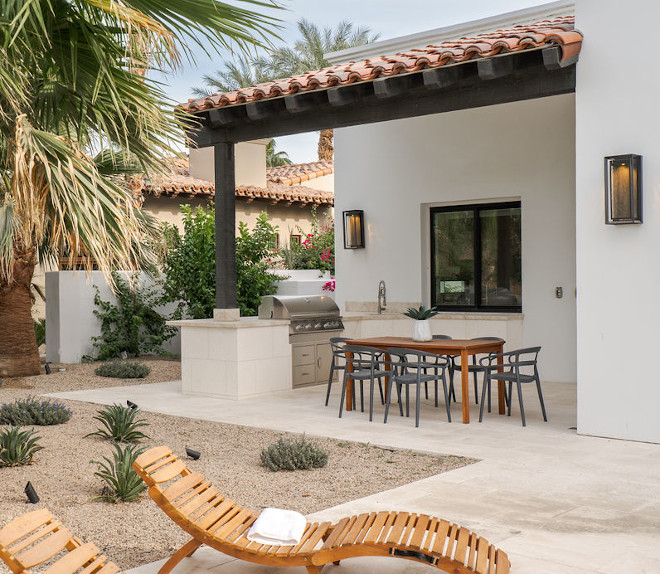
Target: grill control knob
point(299, 327)
point(318, 326)
point(328, 325)
point(308, 327)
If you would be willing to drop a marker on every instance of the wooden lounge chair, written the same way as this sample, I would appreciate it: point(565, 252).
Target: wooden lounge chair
point(38, 538)
point(213, 519)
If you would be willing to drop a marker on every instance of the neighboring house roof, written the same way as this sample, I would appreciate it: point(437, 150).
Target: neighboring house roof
point(179, 182)
point(299, 172)
point(558, 31)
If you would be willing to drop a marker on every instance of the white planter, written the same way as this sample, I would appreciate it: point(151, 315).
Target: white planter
point(422, 331)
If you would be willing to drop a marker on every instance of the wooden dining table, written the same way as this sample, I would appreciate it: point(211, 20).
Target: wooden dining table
point(462, 348)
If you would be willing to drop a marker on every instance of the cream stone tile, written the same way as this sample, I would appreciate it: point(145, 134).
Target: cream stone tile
point(195, 343)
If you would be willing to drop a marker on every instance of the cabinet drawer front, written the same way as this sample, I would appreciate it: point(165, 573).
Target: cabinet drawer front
point(304, 374)
point(304, 354)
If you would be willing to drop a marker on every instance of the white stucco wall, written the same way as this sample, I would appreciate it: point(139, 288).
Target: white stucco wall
point(618, 266)
point(250, 162)
point(523, 150)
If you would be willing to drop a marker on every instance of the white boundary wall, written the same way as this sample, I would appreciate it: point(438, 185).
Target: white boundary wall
point(396, 170)
point(618, 267)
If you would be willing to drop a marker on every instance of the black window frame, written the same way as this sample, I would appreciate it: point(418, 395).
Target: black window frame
point(476, 239)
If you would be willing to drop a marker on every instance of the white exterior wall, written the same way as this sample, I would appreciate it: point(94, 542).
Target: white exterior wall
point(250, 162)
point(618, 267)
point(395, 170)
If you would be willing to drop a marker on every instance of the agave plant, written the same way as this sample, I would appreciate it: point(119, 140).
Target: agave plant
point(122, 483)
point(120, 424)
point(17, 447)
point(421, 313)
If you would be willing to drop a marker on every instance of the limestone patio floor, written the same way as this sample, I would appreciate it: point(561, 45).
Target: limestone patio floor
point(555, 501)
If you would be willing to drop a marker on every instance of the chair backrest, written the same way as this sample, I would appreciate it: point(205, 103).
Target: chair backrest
point(39, 538)
point(526, 357)
point(337, 346)
point(441, 336)
point(487, 339)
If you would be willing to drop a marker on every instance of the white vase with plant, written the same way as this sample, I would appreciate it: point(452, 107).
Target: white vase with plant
point(421, 325)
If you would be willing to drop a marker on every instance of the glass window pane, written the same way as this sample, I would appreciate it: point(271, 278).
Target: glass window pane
point(453, 258)
point(501, 275)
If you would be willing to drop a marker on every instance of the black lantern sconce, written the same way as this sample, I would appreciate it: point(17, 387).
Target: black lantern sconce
point(623, 189)
point(354, 229)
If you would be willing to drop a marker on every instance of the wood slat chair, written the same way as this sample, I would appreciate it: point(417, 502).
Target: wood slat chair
point(39, 539)
point(211, 518)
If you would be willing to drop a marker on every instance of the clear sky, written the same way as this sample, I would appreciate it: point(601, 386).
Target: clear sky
point(389, 18)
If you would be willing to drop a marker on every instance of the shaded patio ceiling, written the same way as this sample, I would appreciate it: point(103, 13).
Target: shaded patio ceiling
point(520, 63)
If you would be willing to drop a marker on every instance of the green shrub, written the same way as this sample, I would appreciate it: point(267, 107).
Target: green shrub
point(122, 370)
point(32, 411)
point(120, 424)
point(122, 483)
point(40, 331)
point(132, 325)
point(287, 454)
point(190, 264)
point(17, 447)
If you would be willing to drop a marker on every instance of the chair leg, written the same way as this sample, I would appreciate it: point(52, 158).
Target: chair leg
point(362, 396)
point(407, 400)
point(452, 392)
point(371, 400)
point(489, 392)
point(436, 391)
point(400, 400)
point(417, 405)
point(426, 390)
point(510, 399)
point(183, 552)
point(380, 388)
point(343, 394)
point(447, 403)
point(388, 400)
point(520, 400)
point(476, 388)
point(538, 388)
point(483, 397)
point(332, 372)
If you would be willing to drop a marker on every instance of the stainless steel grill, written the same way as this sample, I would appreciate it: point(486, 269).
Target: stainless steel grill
point(314, 319)
point(308, 314)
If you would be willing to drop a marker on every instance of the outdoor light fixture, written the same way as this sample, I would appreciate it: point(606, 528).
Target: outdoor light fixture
point(31, 493)
point(354, 229)
point(194, 454)
point(623, 189)
point(131, 405)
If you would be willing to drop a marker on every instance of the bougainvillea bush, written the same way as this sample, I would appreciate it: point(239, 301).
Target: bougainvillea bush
point(316, 251)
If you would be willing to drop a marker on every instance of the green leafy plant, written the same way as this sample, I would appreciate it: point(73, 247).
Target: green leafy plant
point(40, 331)
point(190, 264)
point(120, 424)
point(317, 251)
point(132, 325)
point(122, 370)
point(122, 483)
point(33, 411)
point(288, 454)
point(17, 447)
point(421, 313)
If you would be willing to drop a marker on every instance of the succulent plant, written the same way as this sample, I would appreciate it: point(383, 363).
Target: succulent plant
point(421, 313)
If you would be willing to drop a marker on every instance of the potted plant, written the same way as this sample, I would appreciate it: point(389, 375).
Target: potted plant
point(421, 326)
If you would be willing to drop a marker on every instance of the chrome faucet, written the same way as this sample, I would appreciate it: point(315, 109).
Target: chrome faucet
point(382, 301)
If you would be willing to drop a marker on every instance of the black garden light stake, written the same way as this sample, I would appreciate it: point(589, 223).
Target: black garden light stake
point(47, 367)
point(31, 493)
point(194, 454)
point(131, 405)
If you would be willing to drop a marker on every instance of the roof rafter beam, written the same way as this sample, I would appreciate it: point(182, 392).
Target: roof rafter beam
point(395, 85)
point(492, 68)
point(552, 58)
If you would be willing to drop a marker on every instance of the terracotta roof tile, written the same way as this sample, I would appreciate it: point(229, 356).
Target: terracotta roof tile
point(299, 172)
point(558, 31)
point(180, 183)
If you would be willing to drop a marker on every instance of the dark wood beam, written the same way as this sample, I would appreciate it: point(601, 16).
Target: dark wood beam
point(350, 94)
point(493, 68)
point(225, 226)
point(396, 85)
point(530, 78)
point(552, 59)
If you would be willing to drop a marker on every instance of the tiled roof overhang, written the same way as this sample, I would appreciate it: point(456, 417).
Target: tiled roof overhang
point(299, 172)
point(520, 63)
point(558, 32)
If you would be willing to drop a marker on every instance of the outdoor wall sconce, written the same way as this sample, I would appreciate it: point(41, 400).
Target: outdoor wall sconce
point(354, 229)
point(623, 189)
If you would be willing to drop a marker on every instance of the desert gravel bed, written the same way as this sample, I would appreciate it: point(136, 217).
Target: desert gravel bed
point(136, 533)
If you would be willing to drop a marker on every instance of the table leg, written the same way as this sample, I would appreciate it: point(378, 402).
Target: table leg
point(501, 402)
point(465, 387)
point(388, 362)
point(349, 382)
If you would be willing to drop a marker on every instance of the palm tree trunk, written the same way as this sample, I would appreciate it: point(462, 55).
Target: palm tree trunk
point(19, 355)
point(326, 149)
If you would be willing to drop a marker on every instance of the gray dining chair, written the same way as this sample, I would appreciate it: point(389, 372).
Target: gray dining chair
point(426, 385)
point(475, 368)
point(338, 362)
point(367, 364)
point(410, 367)
point(512, 371)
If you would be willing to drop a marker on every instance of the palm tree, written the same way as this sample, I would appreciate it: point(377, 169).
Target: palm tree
point(276, 158)
point(75, 104)
point(306, 54)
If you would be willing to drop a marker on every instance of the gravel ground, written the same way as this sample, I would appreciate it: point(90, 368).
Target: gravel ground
point(64, 477)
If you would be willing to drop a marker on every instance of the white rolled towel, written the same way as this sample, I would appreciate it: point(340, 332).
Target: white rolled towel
point(278, 527)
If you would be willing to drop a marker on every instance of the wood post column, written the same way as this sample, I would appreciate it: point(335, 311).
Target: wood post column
point(225, 226)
